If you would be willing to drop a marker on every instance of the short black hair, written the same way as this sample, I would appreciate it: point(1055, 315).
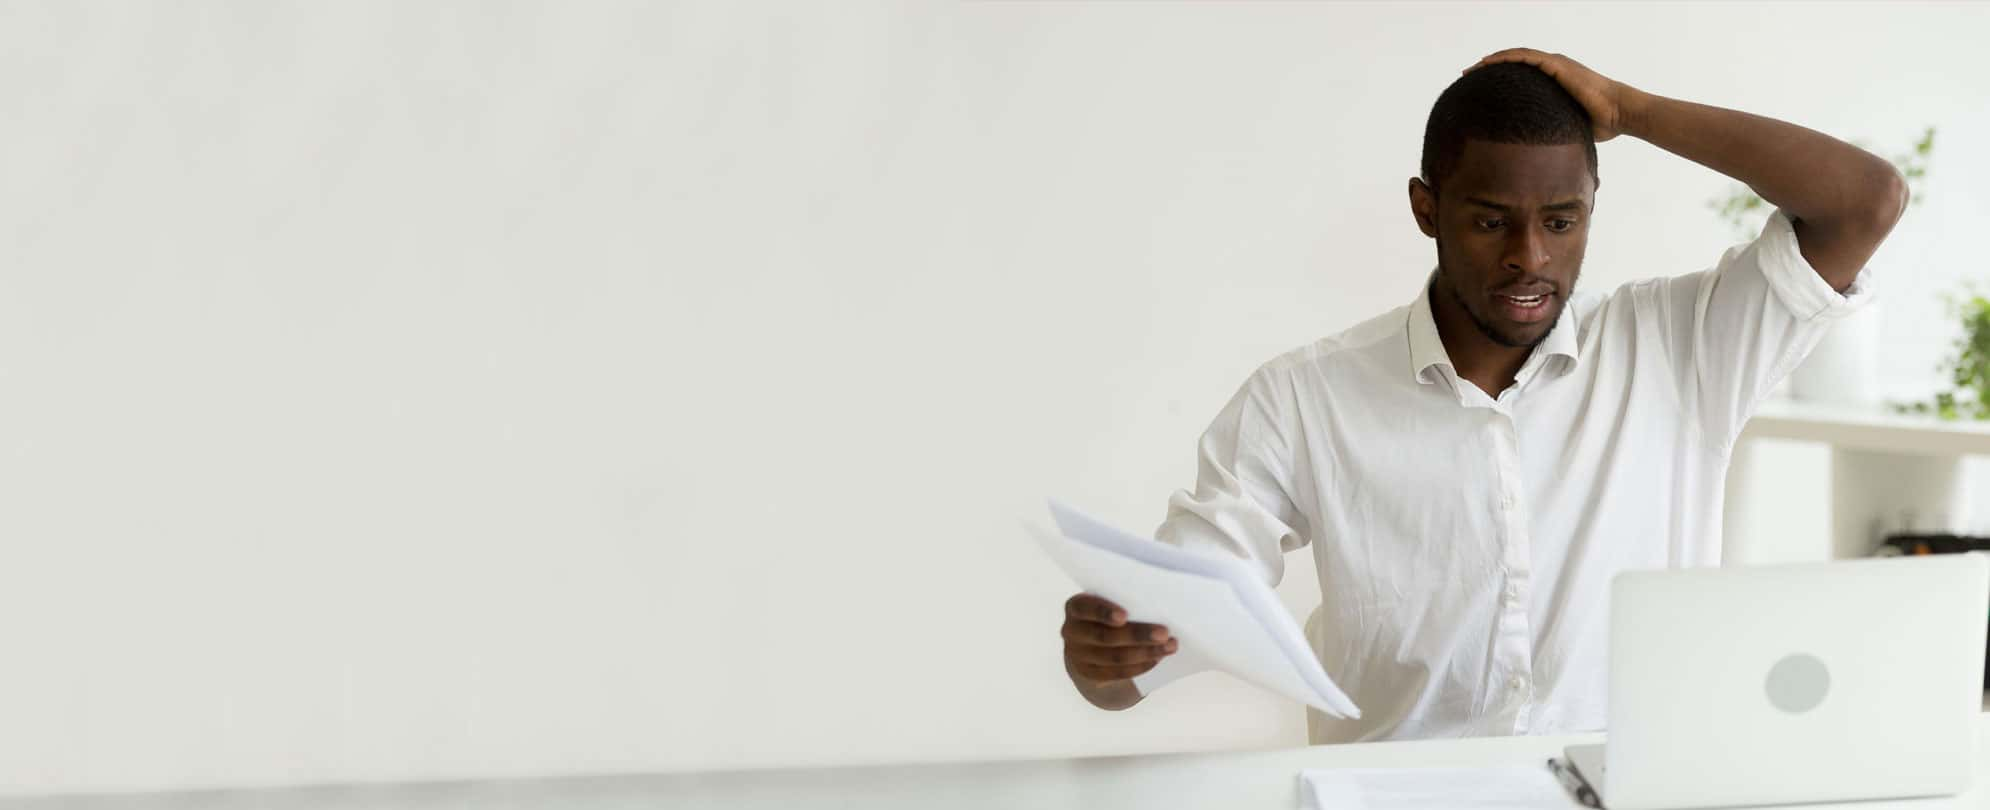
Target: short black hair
point(1508, 102)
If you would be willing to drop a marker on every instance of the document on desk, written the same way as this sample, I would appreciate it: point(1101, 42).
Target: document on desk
point(1498, 788)
point(1225, 617)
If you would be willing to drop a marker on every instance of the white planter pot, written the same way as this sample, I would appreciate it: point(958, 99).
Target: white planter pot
point(1844, 368)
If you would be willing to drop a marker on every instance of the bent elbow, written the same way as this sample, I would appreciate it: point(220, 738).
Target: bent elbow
point(1890, 196)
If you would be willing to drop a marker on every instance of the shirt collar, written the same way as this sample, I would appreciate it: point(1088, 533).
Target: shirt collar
point(1427, 348)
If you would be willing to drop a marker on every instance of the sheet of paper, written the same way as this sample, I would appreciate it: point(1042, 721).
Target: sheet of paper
point(1498, 788)
point(1225, 617)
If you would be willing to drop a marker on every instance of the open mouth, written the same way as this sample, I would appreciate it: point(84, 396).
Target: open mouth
point(1524, 308)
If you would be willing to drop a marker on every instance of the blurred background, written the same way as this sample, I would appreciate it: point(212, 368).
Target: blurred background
point(417, 390)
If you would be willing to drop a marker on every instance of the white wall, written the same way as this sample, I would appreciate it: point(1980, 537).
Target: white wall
point(419, 390)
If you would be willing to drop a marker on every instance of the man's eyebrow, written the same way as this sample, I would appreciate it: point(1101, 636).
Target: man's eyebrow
point(1566, 205)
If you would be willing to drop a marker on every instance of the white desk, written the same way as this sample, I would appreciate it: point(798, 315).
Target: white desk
point(1232, 781)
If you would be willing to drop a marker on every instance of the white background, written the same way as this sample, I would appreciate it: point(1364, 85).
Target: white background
point(423, 390)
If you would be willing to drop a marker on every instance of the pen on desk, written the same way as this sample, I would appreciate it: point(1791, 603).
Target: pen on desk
point(1575, 784)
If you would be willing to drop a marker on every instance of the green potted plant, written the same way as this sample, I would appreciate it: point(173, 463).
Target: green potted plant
point(1967, 372)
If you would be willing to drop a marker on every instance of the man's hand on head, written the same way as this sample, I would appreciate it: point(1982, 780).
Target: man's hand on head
point(1610, 104)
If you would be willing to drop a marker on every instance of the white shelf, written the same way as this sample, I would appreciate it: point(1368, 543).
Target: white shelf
point(1874, 429)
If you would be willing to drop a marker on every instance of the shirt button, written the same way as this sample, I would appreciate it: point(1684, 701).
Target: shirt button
point(1512, 594)
point(1517, 684)
point(1506, 501)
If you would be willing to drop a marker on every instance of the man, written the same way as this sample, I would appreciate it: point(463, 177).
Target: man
point(1473, 468)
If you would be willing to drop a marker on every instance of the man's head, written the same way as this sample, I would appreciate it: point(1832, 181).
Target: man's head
point(1509, 181)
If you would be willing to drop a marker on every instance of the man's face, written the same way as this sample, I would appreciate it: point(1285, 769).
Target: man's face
point(1511, 223)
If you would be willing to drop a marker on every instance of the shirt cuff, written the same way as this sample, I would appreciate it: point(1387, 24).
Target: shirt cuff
point(1795, 283)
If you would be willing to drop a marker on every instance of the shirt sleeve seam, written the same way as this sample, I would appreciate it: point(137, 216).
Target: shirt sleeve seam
point(1285, 451)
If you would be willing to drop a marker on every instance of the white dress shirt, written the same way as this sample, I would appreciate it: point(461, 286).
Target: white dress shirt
point(1465, 543)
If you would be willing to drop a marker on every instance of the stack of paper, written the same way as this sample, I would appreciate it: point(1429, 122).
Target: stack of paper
point(1224, 616)
point(1513, 787)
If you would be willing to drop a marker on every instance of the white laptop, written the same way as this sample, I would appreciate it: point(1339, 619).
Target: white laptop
point(1818, 682)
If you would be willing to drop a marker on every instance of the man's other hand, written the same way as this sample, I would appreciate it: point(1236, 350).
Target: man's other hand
point(1610, 103)
point(1104, 651)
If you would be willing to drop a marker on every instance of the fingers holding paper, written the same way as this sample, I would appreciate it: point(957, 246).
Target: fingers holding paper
point(1101, 644)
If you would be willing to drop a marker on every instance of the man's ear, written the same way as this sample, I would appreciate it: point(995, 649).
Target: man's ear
point(1423, 205)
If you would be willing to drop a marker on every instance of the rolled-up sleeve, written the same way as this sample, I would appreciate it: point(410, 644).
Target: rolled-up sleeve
point(1242, 503)
point(1735, 331)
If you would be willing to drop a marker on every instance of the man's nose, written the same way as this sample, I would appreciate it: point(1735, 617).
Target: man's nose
point(1526, 250)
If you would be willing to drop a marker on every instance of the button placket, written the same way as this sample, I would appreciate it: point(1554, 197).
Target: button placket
point(1516, 636)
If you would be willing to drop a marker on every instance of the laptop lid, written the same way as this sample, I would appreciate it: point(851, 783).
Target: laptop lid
point(1838, 681)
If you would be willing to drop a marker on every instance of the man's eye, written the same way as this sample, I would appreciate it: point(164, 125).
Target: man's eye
point(1560, 225)
point(1490, 224)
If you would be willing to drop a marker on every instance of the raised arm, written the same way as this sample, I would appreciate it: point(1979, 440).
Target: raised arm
point(1841, 199)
